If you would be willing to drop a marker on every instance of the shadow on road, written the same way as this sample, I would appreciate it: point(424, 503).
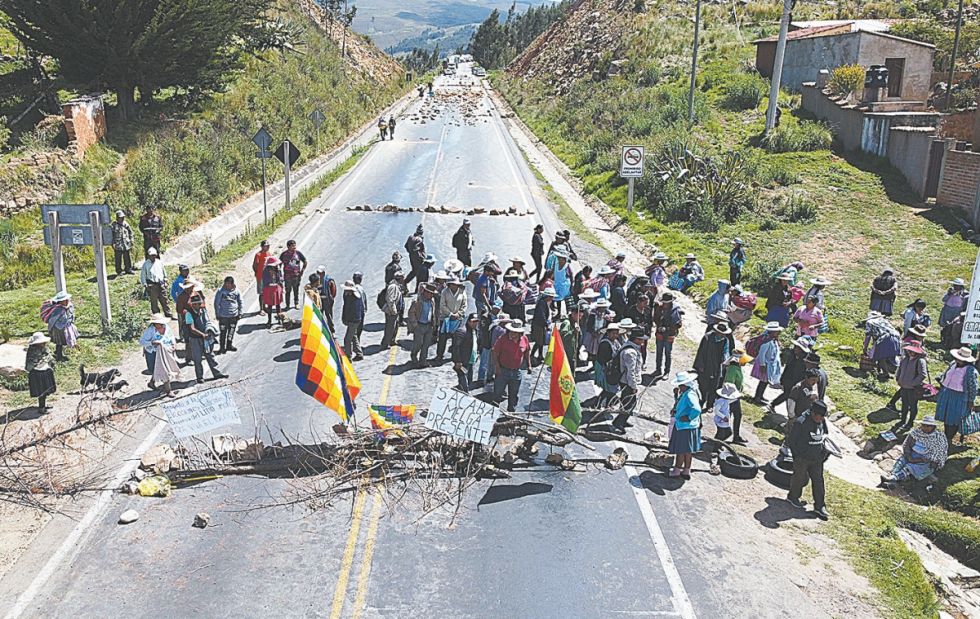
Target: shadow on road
point(21, 414)
point(501, 492)
point(777, 511)
point(659, 483)
point(291, 355)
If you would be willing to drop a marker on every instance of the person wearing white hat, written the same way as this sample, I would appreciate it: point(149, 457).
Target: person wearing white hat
point(657, 272)
point(153, 278)
point(953, 301)
point(541, 324)
point(421, 319)
point(485, 289)
point(122, 244)
point(793, 369)
point(463, 243)
point(713, 350)
point(691, 273)
point(352, 315)
point(454, 267)
point(607, 354)
point(513, 294)
point(599, 317)
point(61, 324)
point(39, 366)
point(924, 452)
point(817, 285)
point(617, 263)
point(450, 314)
point(957, 392)
point(685, 437)
point(537, 252)
point(727, 395)
point(767, 367)
point(630, 362)
point(160, 352)
point(510, 354)
point(667, 317)
point(736, 261)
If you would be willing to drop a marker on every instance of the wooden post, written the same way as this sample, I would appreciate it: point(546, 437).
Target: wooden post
point(102, 281)
point(58, 262)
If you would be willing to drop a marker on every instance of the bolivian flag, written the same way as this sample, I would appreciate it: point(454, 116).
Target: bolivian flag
point(323, 371)
point(566, 410)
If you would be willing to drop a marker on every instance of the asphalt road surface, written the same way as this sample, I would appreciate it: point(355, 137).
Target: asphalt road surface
point(594, 544)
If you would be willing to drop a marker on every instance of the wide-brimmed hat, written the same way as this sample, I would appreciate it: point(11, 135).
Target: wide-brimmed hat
point(666, 297)
point(453, 265)
point(819, 281)
point(321, 269)
point(659, 256)
point(120, 213)
point(614, 326)
point(773, 327)
point(603, 303)
point(152, 252)
point(914, 348)
point(271, 261)
point(428, 287)
point(514, 326)
point(919, 330)
point(588, 293)
point(626, 323)
point(802, 344)
point(38, 338)
point(684, 378)
point(621, 254)
point(722, 328)
point(489, 257)
point(441, 275)
point(560, 252)
point(729, 392)
point(350, 287)
point(513, 274)
point(605, 270)
point(158, 319)
point(61, 296)
point(718, 316)
point(964, 354)
point(454, 281)
point(638, 334)
point(928, 420)
point(737, 290)
point(958, 281)
point(737, 241)
point(785, 277)
point(520, 260)
point(690, 257)
point(812, 358)
point(549, 292)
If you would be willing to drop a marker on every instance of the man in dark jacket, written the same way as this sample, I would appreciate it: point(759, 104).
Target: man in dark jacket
point(352, 315)
point(463, 243)
point(667, 317)
point(537, 253)
point(712, 353)
point(151, 225)
point(415, 246)
point(806, 443)
point(794, 366)
point(464, 351)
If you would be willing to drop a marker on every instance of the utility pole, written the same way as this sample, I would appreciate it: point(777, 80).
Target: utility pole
point(343, 47)
point(952, 58)
point(694, 63)
point(777, 65)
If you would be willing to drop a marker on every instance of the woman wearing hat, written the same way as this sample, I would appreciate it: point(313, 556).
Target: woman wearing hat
point(736, 376)
point(61, 325)
point(779, 300)
point(793, 269)
point(685, 438)
point(884, 288)
point(513, 294)
point(912, 372)
point(272, 287)
point(768, 368)
point(166, 368)
point(957, 390)
point(450, 311)
point(691, 273)
point(617, 295)
point(657, 272)
point(712, 353)
point(736, 262)
point(953, 301)
point(40, 370)
point(924, 452)
point(727, 395)
point(562, 277)
point(817, 285)
point(882, 343)
point(667, 316)
point(599, 316)
point(808, 318)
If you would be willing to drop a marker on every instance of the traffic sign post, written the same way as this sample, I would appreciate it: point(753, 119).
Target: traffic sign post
point(58, 260)
point(631, 167)
point(288, 154)
point(317, 119)
point(102, 280)
point(79, 225)
point(263, 140)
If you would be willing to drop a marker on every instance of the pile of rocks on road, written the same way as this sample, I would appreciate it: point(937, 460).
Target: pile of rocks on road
point(463, 107)
point(441, 210)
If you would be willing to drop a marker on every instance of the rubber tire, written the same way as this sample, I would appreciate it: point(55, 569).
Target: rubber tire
point(737, 466)
point(778, 474)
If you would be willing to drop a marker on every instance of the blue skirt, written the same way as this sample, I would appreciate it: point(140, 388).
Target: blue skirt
point(684, 441)
point(778, 314)
point(882, 305)
point(951, 406)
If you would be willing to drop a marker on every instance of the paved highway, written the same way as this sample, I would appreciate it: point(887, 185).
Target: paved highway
point(539, 545)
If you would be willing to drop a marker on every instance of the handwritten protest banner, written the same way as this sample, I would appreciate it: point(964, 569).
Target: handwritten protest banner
point(202, 412)
point(459, 415)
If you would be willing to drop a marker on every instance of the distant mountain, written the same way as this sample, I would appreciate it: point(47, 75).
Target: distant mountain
point(448, 39)
point(390, 22)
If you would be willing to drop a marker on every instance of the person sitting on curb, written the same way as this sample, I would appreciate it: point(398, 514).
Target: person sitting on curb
point(923, 453)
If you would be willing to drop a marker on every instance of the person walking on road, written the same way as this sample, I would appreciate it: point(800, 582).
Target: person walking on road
point(511, 354)
point(122, 244)
point(421, 324)
point(352, 314)
point(452, 310)
point(415, 247)
point(463, 243)
point(228, 309)
point(328, 295)
point(200, 334)
point(393, 267)
point(153, 278)
point(391, 127)
point(160, 351)
point(630, 360)
point(61, 325)
point(39, 365)
point(151, 226)
point(383, 128)
point(667, 317)
point(736, 262)
point(259, 261)
point(393, 308)
point(272, 294)
point(806, 443)
point(685, 437)
point(293, 266)
point(464, 351)
point(537, 253)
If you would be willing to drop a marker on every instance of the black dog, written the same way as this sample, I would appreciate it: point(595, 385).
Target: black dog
point(100, 380)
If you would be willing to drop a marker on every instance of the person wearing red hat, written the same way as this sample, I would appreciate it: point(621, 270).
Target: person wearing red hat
point(272, 290)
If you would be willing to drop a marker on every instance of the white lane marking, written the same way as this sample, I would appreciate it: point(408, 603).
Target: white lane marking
point(431, 193)
point(678, 594)
point(73, 543)
point(509, 155)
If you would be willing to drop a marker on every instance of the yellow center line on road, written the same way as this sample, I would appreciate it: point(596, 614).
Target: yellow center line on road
point(340, 593)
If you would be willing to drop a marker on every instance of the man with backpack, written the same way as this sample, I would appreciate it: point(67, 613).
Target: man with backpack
point(667, 317)
point(328, 294)
point(607, 368)
point(630, 361)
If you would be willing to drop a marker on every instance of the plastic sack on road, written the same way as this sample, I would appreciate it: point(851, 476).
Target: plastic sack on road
point(157, 485)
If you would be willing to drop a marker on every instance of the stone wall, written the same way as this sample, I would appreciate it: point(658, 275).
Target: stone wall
point(908, 150)
point(960, 181)
point(84, 122)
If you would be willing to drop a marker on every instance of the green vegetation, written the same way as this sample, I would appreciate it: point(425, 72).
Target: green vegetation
point(846, 79)
point(566, 214)
point(844, 215)
point(496, 43)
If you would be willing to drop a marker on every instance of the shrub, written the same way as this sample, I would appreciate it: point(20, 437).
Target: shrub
point(846, 79)
point(796, 207)
point(806, 135)
point(744, 91)
point(4, 133)
point(758, 277)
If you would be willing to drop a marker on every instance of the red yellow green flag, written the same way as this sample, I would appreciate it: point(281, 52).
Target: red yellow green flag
point(566, 410)
point(323, 370)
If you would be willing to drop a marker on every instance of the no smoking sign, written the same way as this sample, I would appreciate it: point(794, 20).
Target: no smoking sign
point(631, 162)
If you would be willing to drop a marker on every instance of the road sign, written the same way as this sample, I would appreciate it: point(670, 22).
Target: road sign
point(77, 235)
point(262, 139)
point(75, 213)
point(971, 322)
point(631, 162)
point(317, 118)
point(293, 152)
point(263, 154)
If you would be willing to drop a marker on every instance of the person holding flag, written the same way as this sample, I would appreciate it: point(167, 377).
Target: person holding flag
point(323, 371)
point(566, 410)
